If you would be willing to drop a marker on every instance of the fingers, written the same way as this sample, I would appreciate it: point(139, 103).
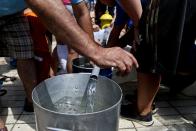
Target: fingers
point(126, 63)
point(117, 58)
point(133, 59)
point(124, 67)
point(121, 67)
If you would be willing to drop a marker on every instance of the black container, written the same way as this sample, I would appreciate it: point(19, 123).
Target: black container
point(82, 64)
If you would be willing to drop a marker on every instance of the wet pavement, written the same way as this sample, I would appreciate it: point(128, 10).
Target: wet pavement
point(176, 114)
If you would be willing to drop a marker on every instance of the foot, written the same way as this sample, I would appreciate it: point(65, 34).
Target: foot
point(130, 99)
point(2, 126)
point(3, 129)
point(128, 112)
point(28, 106)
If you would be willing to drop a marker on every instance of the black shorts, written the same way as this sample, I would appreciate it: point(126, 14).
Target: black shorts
point(168, 29)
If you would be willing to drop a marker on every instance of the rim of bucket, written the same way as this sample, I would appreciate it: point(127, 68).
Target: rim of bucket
point(97, 112)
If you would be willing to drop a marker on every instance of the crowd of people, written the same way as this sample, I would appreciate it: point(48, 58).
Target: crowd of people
point(161, 42)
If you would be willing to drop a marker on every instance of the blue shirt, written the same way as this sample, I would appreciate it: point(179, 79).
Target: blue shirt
point(76, 1)
point(8, 7)
point(122, 17)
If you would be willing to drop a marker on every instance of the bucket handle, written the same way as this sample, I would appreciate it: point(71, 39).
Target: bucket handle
point(56, 129)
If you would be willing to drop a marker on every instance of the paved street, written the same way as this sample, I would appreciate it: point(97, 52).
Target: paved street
point(174, 114)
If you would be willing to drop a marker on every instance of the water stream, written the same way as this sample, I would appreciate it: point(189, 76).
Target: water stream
point(90, 98)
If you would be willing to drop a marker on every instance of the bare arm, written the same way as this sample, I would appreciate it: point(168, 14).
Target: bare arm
point(82, 16)
point(113, 39)
point(133, 8)
point(60, 22)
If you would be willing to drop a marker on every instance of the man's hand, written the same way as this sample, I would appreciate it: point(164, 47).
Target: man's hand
point(117, 58)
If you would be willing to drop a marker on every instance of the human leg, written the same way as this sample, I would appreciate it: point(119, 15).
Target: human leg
point(148, 86)
point(40, 45)
point(2, 125)
point(62, 52)
point(18, 44)
point(71, 56)
point(54, 63)
point(59, 57)
point(27, 73)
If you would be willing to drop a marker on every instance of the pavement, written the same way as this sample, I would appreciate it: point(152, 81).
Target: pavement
point(176, 114)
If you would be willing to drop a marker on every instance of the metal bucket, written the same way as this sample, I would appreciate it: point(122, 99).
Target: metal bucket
point(83, 65)
point(104, 118)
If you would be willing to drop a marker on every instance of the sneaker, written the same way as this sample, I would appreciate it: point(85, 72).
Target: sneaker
point(129, 113)
point(154, 109)
point(132, 99)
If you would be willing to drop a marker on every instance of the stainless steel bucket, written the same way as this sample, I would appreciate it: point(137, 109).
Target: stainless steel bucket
point(108, 93)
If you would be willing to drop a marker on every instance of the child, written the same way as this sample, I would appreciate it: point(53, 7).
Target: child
point(41, 49)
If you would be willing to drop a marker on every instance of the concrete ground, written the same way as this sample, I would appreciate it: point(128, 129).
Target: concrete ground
point(175, 114)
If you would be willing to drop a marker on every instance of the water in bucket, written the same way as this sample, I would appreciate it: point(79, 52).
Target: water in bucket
point(85, 104)
point(79, 105)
